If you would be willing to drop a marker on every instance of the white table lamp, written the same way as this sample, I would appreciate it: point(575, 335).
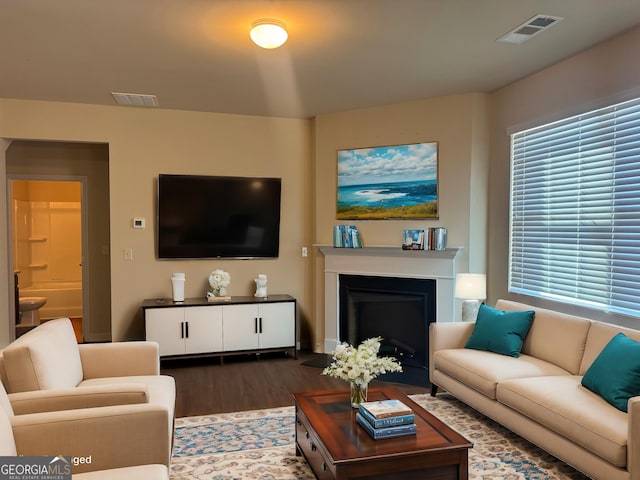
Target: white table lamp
point(471, 287)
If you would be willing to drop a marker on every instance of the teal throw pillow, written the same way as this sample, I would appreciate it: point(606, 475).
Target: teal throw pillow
point(499, 331)
point(615, 373)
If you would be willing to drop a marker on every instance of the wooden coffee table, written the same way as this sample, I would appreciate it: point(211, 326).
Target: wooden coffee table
point(336, 447)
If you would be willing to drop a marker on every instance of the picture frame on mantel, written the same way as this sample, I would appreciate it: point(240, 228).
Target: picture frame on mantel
point(388, 182)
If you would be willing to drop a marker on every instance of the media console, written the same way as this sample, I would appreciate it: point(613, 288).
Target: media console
point(197, 327)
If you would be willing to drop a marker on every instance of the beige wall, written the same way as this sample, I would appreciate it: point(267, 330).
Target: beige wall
point(606, 73)
point(459, 124)
point(142, 144)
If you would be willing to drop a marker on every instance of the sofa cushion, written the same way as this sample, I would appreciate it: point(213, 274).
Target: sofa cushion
point(482, 370)
point(45, 357)
point(499, 331)
point(615, 373)
point(555, 337)
point(563, 405)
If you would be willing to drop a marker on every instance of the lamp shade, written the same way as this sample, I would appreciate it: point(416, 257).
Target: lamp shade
point(471, 286)
point(269, 33)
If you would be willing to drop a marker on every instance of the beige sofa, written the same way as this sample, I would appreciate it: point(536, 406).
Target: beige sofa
point(130, 439)
point(539, 395)
point(46, 370)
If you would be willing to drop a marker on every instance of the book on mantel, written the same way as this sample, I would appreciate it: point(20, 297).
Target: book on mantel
point(385, 432)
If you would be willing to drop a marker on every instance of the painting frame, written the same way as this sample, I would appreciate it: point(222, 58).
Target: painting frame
point(388, 182)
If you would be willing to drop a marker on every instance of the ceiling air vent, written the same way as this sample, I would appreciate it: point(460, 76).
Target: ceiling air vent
point(530, 28)
point(136, 99)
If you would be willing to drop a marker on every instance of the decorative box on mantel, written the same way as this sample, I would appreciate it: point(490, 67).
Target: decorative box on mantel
point(386, 262)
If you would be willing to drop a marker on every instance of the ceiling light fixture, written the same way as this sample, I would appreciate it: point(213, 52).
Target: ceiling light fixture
point(269, 33)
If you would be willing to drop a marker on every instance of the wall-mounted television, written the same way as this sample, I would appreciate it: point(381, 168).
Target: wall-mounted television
point(218, 217)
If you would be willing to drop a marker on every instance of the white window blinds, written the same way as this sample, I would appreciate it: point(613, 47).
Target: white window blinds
point(575, 210)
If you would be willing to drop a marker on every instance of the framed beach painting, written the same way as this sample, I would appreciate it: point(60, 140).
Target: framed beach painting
point(392, 182)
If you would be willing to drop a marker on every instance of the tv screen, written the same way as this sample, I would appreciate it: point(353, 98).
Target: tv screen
point(218, 217)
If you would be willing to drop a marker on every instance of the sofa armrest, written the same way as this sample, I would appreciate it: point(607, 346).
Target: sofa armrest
point(79, 397)
point(119, 359)
point(105, 437)
point(633, 439)
point(447, 335)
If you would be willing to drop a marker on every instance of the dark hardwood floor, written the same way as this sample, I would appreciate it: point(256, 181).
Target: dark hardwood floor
point(243, 382)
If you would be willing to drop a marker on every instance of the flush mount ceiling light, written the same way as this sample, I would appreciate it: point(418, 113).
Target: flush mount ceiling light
point(269, 33)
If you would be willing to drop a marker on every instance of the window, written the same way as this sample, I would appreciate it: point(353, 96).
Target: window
point(575, 210)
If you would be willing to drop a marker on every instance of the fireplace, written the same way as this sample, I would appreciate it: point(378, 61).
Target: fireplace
point(397, 309)
point(439, 266)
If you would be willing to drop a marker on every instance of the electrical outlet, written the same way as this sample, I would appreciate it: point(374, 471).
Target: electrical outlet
point(305, 252)
point(127, 254)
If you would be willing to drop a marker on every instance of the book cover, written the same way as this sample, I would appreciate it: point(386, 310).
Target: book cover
point(346, 236)
point(387, 432)
point(386, 408)
point(413, 239)
point(387, 421)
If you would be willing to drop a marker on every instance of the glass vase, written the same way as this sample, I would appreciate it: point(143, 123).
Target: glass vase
point(358, 394)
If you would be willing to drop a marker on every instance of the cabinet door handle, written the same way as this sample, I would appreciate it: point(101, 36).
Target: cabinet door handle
point(256, 324)
point(260, 320)
point(181, 329)
point(186, 329)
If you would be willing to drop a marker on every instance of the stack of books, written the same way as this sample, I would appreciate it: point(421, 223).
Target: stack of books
point(386, 419)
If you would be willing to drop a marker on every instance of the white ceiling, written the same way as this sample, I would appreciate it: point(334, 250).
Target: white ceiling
point(341, 54)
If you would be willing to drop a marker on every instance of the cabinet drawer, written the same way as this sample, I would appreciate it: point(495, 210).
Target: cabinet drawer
point(313, 452)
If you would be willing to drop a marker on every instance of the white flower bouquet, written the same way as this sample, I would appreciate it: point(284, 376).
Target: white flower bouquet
point(360, 365)
point(219, 281)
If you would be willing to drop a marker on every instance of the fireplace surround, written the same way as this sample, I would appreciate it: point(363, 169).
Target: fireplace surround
point(386, 262)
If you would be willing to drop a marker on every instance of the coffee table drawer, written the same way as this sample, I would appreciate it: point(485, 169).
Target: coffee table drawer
point(313, 451)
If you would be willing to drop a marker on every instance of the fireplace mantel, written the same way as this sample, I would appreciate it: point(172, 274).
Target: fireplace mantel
point(386, 262)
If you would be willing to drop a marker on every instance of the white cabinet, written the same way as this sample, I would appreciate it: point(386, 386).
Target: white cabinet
point(258, 326)
point(182, 330)
point(244, 324)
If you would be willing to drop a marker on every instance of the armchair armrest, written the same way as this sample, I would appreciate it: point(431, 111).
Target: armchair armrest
point(79, 397)
point(633, 438)
point(105, 437)
point(119, 359)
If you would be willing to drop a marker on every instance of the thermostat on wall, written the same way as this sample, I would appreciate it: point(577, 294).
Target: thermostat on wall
point(138, 223)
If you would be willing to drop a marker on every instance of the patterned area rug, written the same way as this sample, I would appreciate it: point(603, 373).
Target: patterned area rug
point(259, 444)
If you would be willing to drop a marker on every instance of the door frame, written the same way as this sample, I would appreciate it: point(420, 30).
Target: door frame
point(82, 179)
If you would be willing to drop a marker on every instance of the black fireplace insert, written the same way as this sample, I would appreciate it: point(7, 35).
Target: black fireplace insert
point(397, 309)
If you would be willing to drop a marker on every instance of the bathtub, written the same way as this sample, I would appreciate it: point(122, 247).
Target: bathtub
point(64, 299)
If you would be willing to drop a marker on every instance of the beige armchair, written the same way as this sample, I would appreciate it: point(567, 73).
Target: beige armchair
point(45, 370)
point(123, 442)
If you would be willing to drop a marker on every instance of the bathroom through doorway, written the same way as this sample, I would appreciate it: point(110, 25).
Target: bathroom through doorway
point(47, 241)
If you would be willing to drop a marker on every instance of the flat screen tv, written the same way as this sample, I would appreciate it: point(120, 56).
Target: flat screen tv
point(218, 217)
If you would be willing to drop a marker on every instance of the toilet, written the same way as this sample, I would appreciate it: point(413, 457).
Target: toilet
point(29, 309)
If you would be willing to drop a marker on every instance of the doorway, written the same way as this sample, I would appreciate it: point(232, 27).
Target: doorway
point(47, 244)
point(87, 163)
